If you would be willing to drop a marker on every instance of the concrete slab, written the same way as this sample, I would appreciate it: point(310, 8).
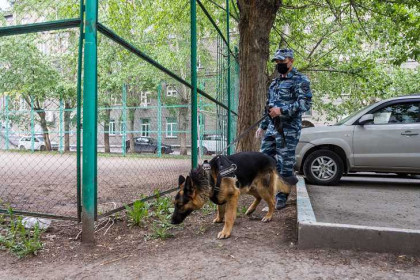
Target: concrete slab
point(335, 231)
point(380, 204)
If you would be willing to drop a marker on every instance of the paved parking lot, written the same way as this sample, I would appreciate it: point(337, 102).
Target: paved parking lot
point(370, 200)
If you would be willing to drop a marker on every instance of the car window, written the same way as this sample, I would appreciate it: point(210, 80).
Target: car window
point(143, 140)
point(342, 121)
point(397, 114)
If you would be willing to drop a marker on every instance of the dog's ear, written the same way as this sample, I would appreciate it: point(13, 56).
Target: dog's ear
point(189, 187)
point(181, 180)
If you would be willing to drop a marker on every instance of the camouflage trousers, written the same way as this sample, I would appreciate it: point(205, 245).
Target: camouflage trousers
point(272, 145)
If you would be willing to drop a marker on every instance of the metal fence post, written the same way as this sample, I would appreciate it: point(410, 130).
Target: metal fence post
point(7, 122)
point(229, 124)
point(89, 171)
point(124, 119)
point(159, 119)
point(32, 125)
point(193, 23)
point(79, 112)
point(61, 127)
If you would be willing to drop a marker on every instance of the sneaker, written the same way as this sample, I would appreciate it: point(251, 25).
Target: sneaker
point(281, 199)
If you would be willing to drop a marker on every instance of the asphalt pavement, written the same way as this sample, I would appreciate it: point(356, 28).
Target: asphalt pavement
point(369, 200)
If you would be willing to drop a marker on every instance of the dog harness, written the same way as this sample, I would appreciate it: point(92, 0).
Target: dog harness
point(226, 168)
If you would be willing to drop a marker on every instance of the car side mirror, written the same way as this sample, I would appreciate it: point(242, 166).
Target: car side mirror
point(365, 119)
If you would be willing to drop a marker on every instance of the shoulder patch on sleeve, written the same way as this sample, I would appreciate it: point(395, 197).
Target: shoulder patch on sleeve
point(305, 86)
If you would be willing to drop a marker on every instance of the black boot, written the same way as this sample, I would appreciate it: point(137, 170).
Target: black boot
point(281, 199)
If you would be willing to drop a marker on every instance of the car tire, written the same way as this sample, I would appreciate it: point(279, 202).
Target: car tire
point(22, 148)
point(205, 151)
point(162, 150)
point(42, 148)
point(323, 167)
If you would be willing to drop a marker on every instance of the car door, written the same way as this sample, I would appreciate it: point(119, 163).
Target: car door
point(152, 145)
point(144, 145)
point(392, 140)
point(138, 144)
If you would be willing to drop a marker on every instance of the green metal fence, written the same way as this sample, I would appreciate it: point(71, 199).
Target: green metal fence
point(154, 103)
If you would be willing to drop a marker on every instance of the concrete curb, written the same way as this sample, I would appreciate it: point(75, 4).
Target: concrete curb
point(313, 234)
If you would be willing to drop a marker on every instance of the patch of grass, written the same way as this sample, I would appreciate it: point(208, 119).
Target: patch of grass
point(161, 230)
point(157, 214)
point(242, 210)
point(18, 240)
point(209, 208)
point(162, 205)
point(138, 213)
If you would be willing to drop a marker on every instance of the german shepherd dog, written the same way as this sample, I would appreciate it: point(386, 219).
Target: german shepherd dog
point(256, 175)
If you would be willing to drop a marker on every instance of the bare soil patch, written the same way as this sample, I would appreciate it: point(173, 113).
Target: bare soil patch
point(256, 250)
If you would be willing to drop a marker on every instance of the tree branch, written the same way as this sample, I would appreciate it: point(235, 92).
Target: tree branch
point(358, 19)
point(333, 10)
point(283, 37)
point(224, 9)
point(351, 72)
point(319, 42)
point(287, 7)
point(234, 8)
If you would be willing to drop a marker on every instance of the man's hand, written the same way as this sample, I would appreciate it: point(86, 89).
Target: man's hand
point(259, 133)
point(275, 112)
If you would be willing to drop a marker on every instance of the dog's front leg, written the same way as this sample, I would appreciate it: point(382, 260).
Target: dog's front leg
point(230, 213)
point(220, 214)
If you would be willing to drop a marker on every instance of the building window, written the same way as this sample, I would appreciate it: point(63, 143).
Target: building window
point(171, 128)
point(112, 127)
point(145, 127)
point(171, 91)
point(145, 99)
point(201, 119)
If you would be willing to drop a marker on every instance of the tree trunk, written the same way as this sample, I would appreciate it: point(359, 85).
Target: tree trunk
point(183, 126)
point(41, 114)
point(131, 117)
point(67, 114)
point(255, 23)
point(106, 129)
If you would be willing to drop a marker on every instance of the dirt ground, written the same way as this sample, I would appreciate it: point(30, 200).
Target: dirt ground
point(255, 251)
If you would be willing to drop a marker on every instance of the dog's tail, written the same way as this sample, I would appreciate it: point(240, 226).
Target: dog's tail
point(278, 183)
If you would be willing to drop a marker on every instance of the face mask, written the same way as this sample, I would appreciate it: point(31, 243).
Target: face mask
point(282, 68)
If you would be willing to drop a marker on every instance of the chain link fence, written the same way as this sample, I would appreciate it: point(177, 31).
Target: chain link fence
point(38, 100)
point(143, 112)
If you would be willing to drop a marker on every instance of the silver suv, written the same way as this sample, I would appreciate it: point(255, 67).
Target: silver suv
point(383, 137)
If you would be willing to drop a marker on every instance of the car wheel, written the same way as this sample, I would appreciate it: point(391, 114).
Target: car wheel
point(205, 151)
point(22, 148)
point(42, 148)
point(323, 167)
point(162, 150)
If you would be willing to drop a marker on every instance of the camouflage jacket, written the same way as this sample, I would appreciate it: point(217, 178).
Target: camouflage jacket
point(293, 95)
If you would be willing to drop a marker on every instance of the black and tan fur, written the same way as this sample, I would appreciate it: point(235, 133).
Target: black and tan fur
point(255, 175)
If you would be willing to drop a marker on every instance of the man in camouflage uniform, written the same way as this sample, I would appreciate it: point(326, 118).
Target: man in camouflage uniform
point(290, 96)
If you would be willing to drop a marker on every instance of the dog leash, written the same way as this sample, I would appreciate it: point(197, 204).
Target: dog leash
point(243, 134)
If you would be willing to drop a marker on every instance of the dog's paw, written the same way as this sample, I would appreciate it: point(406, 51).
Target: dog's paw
point(267, 219)
point(223, 235)
point(218, 220)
